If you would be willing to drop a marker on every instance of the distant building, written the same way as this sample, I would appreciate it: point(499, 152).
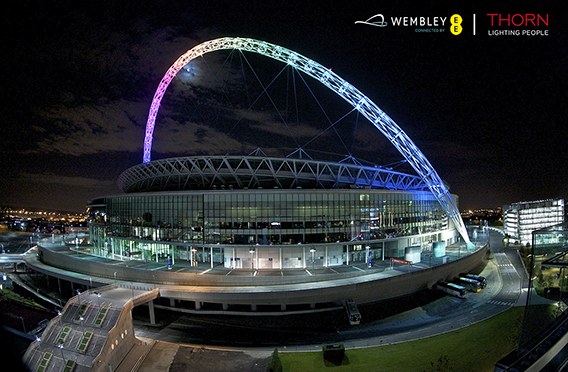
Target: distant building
point(522, 218)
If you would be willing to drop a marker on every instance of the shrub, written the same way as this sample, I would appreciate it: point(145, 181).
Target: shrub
point(334, 353)
point(275, 363)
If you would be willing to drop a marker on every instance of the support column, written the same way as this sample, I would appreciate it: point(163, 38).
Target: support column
point(197, 305)
point(225, 306)
point(172, 302)
point(304, 257)
point(151, 312)
point(280, 258)
point(256, 258)
point(325, 261)
point(283, 307)
point(253, 307)
point(211, 257)
point(347, 253)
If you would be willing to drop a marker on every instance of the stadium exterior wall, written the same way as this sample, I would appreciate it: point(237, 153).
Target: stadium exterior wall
point(277, 226)
point(363, 288)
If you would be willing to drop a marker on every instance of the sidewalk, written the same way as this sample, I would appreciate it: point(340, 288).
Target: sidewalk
point(136, 356)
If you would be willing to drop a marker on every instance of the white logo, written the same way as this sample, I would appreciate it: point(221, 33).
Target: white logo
point(380, 22)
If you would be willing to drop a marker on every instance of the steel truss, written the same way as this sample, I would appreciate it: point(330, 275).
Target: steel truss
point(239, 172)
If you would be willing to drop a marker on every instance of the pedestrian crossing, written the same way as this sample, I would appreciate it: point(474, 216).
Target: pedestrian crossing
point(500, 303)
point(505, 265)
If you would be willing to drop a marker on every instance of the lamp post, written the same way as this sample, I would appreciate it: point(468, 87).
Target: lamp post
point(60, 347)
point(60, 315)
point(81, 322)
point(23, 324)
point(313, 252)
point(79, 299)
point(251, 251)
point(194, 261)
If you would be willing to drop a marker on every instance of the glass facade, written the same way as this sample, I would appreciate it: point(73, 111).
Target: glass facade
point(222, 226)
point(521, 219)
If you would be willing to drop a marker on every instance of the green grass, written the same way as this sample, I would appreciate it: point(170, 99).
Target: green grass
point(9, 295)
point(101, 316)
point(69, 366)
point(85, 341)
point(474, 348)
point(63, 335)
point(44, 362)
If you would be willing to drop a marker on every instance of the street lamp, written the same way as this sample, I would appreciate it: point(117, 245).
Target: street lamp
point(313, 252)
point(81, 322)
point(60, 347)
point(194, 255)
point(79, 298)
point(23, 324)
point(251, 251)
point(60, 315)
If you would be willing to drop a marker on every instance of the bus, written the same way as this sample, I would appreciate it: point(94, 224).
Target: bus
point(353, 313)
point(471, 285)
point(451, 288)
point(481, 279)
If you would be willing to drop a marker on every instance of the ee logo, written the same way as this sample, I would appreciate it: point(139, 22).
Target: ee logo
point(455, 22)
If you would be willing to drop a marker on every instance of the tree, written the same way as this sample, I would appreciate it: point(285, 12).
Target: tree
point(275, 362)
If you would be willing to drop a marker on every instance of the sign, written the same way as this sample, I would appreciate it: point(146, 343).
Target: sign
point(400, 261)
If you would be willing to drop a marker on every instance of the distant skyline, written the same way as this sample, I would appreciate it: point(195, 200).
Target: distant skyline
point(489, 112)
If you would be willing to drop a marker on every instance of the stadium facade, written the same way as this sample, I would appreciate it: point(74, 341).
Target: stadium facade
point(240, 213)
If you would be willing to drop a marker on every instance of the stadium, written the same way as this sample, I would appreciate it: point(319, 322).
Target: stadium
point(248, 235)
point(270, 234)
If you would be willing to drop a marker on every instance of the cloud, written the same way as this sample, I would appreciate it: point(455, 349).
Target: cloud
point(269, 122)
point(190, 138)
point(93, 129)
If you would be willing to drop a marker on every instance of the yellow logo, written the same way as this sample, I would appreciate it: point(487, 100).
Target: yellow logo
point(455, 22)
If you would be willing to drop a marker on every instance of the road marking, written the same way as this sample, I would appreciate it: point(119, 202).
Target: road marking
point(309, 273)
point(229, 272)
point(204, 272)
point(355, 267)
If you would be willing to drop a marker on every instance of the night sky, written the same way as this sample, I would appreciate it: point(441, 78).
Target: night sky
point(78, 77)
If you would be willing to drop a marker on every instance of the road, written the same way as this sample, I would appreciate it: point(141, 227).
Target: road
point(429, 318)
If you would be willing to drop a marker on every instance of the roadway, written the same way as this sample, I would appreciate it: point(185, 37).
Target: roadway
point(505, 279)
point(442, 315)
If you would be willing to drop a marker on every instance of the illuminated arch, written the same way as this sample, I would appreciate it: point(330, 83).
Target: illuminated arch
point(348, 92)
